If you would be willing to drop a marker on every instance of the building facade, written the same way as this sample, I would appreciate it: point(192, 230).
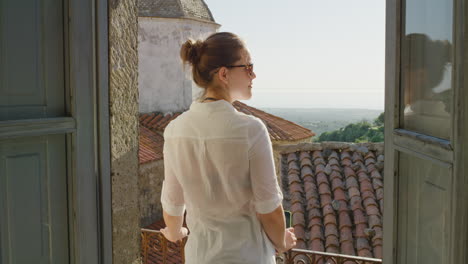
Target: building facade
point(163, 26)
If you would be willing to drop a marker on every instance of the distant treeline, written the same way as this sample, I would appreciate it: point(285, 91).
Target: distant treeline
point(362, 131)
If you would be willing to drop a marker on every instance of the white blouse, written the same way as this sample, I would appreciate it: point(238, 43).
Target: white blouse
point(219, 166)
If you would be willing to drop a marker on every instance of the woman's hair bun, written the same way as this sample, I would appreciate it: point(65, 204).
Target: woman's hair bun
point(206, 55)
point(190, 51)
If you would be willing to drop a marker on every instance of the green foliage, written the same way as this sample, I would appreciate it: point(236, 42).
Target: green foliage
point(362, 131)
point(379, 121)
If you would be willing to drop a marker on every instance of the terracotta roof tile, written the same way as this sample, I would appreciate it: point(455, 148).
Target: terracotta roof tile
point(339, 195)
point(293, 167)
point(315, 221)
point(315, 213)
point(330, 219)
point(297, 207)
point(157, 121)
point(336, 184)
point(316, 245)
point(296, 187)
point(291, 157)
point(151, 145)
point(298, 218)
point(304, 155)
point(293, 177)
point(316, 232)
point(306, 171)
point(299, 231)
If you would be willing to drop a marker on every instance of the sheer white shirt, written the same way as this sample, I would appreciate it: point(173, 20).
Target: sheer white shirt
point(219, 167)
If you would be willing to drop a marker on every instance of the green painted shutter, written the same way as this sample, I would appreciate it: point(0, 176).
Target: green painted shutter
point(32, 72)
point(33, 200)
point(34, 226)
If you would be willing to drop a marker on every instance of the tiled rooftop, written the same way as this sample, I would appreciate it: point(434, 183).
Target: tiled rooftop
point(151, 135)
point(335, 194)
point(152, 127)
point(157, 121)
point(279, 128)
point(151, 144)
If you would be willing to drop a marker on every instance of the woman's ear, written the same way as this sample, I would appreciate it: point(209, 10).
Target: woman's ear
point(223, 75)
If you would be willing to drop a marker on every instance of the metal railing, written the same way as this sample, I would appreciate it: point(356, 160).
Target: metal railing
point(302, 256)
point(157, 249)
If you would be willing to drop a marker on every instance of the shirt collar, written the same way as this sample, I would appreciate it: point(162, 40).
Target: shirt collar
point(213, 106)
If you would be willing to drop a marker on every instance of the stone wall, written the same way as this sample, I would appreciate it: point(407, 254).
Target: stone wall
point(123, 101)
point(151, 178)
point(374, 146)
point(165, 84)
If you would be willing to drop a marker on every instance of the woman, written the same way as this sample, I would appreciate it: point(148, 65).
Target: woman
point(219, 166)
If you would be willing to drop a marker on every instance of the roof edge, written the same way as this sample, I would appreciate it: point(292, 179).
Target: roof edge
point(209, 11)
point(183, 18)
point(279, 117)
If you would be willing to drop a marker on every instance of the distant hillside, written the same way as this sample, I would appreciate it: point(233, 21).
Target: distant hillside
point(324, 120)
point(361, 131)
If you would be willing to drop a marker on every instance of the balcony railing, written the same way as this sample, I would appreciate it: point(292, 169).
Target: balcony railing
point(157, 249)
point(301, 256)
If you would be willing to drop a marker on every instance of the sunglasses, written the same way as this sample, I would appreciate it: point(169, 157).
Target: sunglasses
point(248, 67)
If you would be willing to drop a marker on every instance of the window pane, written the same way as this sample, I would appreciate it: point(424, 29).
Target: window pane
point(423, 211)
point(427, 67)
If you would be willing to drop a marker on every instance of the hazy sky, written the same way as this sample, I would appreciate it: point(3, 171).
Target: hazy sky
point(311, 53)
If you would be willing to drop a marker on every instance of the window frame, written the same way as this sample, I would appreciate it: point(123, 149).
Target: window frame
point(89, 163)
point(453, 152)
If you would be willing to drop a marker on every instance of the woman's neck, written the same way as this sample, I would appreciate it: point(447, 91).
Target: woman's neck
point(218, 94)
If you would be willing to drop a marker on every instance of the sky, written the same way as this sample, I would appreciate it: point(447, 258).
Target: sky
point(311, 53)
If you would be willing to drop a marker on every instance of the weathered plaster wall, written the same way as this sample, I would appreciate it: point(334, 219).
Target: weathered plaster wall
point(151, 178)
point(165, 84)
point(123, 100)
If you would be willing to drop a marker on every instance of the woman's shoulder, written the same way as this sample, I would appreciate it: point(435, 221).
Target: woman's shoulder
point(254, 124)
point(175, 123)
point(249, 120)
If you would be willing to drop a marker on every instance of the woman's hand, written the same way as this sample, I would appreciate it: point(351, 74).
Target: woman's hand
point(289, 240)
point(174, 236)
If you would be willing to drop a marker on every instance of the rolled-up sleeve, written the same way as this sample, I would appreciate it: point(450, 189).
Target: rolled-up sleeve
point(172, 195)
point(266, 190)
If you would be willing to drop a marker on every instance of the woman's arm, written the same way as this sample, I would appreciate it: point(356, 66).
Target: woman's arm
point(267, 193)
point(274, 225)
point(172, 197)
point(173, 223)
point(174, 230)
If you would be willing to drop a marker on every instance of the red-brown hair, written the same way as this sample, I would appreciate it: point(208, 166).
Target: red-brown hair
point(219, 49)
